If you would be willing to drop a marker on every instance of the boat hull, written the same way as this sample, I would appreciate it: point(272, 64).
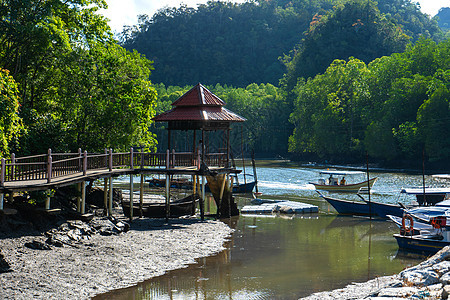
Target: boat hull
point(351, 188)
point(419, 244)
point(385, 209)
point(178, 208)
point(346, 207)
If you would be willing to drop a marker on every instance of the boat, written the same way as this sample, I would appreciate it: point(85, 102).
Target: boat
point(187, 184)
point(425, 241)
point(338, 183)
point(432, 195)
point(346, 207)
point(157, 208)
point(417, 225)
point(384, 209)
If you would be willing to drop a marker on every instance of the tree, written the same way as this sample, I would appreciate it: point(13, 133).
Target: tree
point(10, 123)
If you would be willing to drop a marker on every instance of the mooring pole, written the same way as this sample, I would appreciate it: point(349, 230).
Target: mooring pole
point(202, 200)
point(1, 201)
point(167, 185)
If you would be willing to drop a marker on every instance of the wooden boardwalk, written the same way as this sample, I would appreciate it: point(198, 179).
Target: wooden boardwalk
point(54, 170)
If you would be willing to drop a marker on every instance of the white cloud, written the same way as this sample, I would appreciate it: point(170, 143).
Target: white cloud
point(125, 12)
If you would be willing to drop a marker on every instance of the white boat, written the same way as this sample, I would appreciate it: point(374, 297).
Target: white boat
point(428, 195)
point(336, 182)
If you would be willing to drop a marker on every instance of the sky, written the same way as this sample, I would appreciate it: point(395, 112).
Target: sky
point(125, 12)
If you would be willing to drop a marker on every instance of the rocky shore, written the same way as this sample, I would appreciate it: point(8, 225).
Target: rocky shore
point(78, 260)
point(428, 280)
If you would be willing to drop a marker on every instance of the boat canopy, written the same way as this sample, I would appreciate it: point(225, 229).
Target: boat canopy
point(442, 176)
point(419, 191)
point(338, 173)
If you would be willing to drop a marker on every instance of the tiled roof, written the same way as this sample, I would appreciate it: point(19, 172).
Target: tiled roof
point(199, 96)
point(198, 104)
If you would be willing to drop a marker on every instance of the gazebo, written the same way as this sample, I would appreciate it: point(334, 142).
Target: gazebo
point(199, 109)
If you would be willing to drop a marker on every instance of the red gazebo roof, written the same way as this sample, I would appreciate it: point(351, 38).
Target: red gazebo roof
point(198, 105)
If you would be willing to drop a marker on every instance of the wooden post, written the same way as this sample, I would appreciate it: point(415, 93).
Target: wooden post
point(202, 200)
point(79, 197)
point(49, 166)
point(106, 159)
point(167, 159)
point(131, 158)
point(142, 157)
point(13, 162)
point(83, 197)
point(110, 206)
point(167, 187)
point(47, 202)
point(141, 196)
point(85, 163)
point(198, 159)
point(105, 194)
point(131, 197)
point(1, 201)
point(167, 197)
point(110, 161)
point(80, 160)
point(173, 158)
point(2, 172)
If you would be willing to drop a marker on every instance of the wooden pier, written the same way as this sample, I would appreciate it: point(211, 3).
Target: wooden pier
point(54, 170)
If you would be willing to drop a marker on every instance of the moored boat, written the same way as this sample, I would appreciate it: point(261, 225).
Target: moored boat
point(157, 208)
point(339, 183)
point(346, 207)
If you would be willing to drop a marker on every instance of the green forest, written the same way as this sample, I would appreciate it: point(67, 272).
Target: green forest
point(316, 79)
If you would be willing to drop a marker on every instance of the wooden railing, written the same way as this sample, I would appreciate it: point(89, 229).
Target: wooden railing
point(54, 165)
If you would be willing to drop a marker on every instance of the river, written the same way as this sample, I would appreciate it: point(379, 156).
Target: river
point(288, 257)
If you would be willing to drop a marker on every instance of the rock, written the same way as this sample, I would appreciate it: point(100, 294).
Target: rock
point(37, 245)
point(4, 265)
point(445, 279)
point(420, 277)
point(445, 291)
point(442, 267)
point(402, 292)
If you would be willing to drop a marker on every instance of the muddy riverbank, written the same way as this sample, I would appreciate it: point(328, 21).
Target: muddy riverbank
point(97, 263)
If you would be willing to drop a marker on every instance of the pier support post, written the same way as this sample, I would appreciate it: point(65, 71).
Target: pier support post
point(1, 201)
point(78, 197)
point(105, 194)
point(202, 200)
point(47, 202)
point(131, 197)
point(141, 196)
point(167, 197)
point(110, 204)
point(83, 198)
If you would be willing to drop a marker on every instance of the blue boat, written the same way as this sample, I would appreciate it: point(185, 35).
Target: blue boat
point(346, 207)
point(384, 209)
point(421, 243)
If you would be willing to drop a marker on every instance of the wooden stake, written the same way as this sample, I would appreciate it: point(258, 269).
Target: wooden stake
point(105, 193)
point(141, 196)
point(131, 197)
point(110, 206)
point(83, 197)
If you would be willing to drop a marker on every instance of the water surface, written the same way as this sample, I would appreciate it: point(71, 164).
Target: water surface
point(287, 257)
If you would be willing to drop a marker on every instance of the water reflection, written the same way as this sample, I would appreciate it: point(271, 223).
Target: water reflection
point(282, 258)
point(287, 257)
